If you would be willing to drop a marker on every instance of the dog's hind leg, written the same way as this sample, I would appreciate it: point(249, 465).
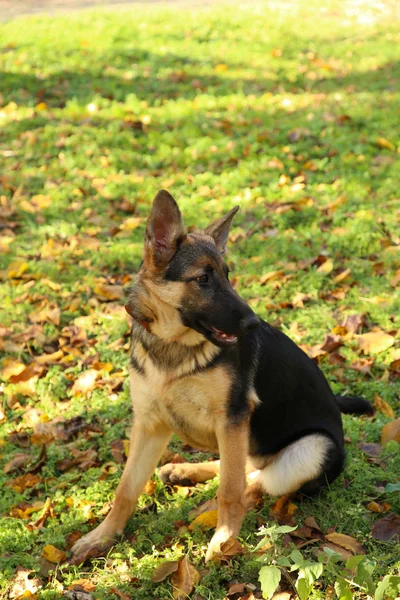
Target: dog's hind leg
point(189, 473)
point(305, 465)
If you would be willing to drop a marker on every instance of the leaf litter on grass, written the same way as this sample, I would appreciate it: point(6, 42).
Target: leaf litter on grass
point(304, 142)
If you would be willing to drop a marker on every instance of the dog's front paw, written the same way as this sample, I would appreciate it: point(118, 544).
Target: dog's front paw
point(220, 536)
point(95, 543)
point(175, 474)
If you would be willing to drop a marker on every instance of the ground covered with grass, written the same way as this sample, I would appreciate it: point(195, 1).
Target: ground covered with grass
point(292, 113)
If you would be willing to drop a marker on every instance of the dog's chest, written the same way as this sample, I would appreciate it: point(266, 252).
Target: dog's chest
point(193, 406)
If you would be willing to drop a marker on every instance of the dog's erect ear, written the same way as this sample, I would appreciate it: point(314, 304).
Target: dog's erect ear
point(164, 230)
point(219, 230)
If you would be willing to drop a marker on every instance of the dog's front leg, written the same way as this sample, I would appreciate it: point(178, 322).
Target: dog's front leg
point(145, 449)
point(233, 447)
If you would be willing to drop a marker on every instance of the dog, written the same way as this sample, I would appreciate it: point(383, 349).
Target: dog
point(205, 366)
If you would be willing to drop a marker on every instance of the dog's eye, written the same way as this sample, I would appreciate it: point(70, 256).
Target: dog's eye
point(202, 279)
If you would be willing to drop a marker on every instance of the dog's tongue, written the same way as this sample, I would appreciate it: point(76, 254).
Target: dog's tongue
point(226, 337)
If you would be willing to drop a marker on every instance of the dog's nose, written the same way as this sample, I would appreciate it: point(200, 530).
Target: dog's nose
point(249, 322)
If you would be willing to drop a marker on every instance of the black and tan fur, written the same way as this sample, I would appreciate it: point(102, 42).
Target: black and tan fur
point(204, 366)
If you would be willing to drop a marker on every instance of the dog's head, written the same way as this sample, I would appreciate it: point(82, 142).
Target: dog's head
point(183, 286)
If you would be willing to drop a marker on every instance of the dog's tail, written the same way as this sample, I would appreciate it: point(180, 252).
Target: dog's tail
point(354, 405)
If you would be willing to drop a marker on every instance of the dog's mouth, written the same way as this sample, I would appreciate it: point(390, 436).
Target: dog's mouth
point(219, 336)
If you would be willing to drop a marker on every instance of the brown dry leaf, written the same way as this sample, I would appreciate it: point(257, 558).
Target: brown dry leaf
point(30, 371)
point(86, 382)
point(22, 584)
point(387, 528)
point(353, 323)
point(236, 588)
point(164, 570)
point(345, 554)
point(391, 431)
point(228, 550)
point(363, 365)
point(53, 554)
point(281, 596)
point(370, 449)
point(184, 579)
point(381, 405)
point(375, 341)
point(19, 460)
point(283, 510)
point(82, 584)
point(109, 292)
point(206, 520)
point(24, 482)
point(118, 451)
point(332, 342)
point(346, 541)
point(46, 315)
point(120, 594)
point(378, 507)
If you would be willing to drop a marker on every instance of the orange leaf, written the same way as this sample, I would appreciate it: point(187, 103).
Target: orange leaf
point(228, 550)
point(19, 484)
point(381, 405)
point(391, 431)
point(346, 541)
point(150, 487)
point(109, 292)
point(53, 554)
point(11, 368)
point(46, 315)
point(184, 579)
point(206, 520)
point(283, 510)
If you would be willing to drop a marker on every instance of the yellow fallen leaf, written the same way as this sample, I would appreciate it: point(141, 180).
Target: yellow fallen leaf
point(109, 292)
point(131, 223)
point(270, 275)
point(341, 276)
point(46, 315)
point(221, 68)
point(11, 368)
point(16, 269)
point(53, 554)
point(375, 341)
point(382, 142)
point(381, 405)
point(391, 431)
point(206, 520)
point(326, 266)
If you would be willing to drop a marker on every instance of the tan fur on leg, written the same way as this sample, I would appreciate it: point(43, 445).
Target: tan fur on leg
point(145, 450)
point(189, 473)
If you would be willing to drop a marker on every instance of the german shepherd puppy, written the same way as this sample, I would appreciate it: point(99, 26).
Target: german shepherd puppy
point(204, 366)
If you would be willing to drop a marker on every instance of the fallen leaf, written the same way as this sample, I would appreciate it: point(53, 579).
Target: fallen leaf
point(387, 528)
point(86, 382)
point(228, 550)
point(150, 487)
point(208, 505)
point(24, 510)
point(206, 520)
point(375, 342)
point(41, 520)
point(82, 584)
point(184, 579)
point(370, 449)
point(30, 371)
point(391, 431)
point(120, 594)
point(163, 570)
point(19, 460)
point(346, 541)
point(299, 298)
point(270, 275)
point(46, 315)
point(381, 405)
point(53, 554)
point(24, 482)
point(378, 507)
point(382, 142)
point(236, 588)
point(11, 368)
point(326, 267)
point(283, 510)
point(22, 583)
point(109, 292)
point(345, 554)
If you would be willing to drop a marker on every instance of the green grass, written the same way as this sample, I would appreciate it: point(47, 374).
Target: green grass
point(99, 111)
